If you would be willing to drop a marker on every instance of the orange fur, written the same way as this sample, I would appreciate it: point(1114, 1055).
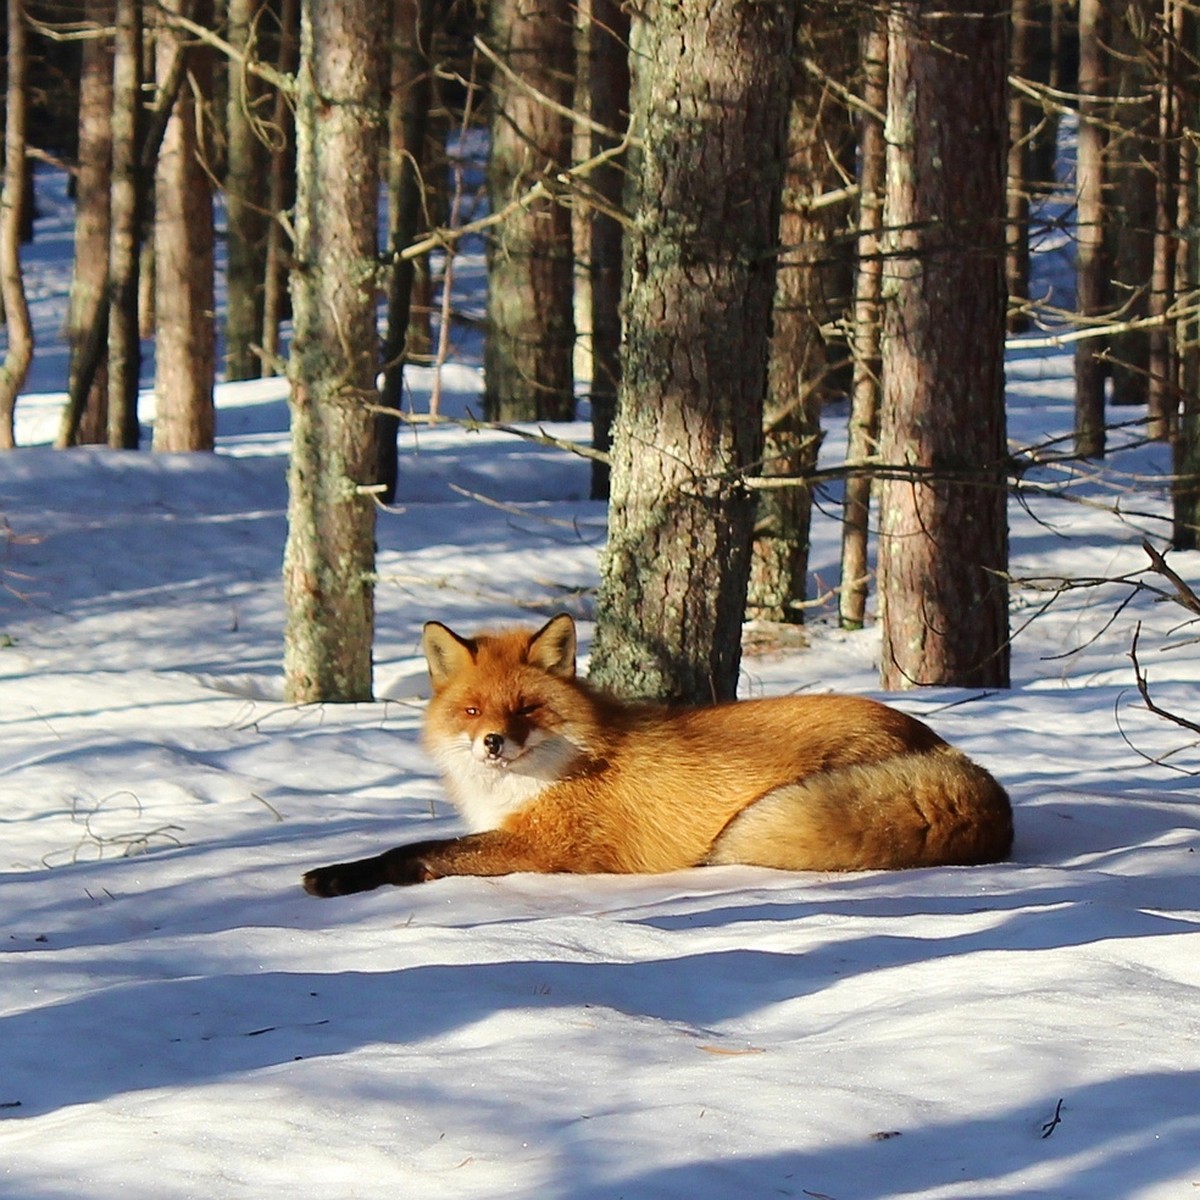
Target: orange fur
point(553, 775)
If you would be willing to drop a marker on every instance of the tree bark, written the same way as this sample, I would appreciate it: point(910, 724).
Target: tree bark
point(89, 278)
point(1089, 223)
point(863, 433)
point(245, 199)
point(280, 194)
point(1019, 162)
point(608, 92)
point(185, 344)
point(408, 127)
point(806, 298)
point(943, 537)
point(528, 356)
point(124, 345)
point(12, 224)
point(329, 559)
point(709, 103)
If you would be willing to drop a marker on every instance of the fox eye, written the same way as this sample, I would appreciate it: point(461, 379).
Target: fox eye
point(471, 711)
point(527, 710)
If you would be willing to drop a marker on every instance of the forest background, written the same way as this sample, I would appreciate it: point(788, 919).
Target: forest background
point(707, 225)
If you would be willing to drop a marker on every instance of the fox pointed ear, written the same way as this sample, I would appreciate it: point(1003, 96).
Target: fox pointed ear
point(445, 652)
point(552, 648)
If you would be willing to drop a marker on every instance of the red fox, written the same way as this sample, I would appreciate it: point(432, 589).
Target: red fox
point(552, 775)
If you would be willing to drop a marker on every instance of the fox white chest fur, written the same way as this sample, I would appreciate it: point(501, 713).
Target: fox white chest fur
point(487, 785)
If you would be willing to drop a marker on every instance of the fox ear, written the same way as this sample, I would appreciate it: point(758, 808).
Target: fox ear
point(446, 653)
point(552, 648)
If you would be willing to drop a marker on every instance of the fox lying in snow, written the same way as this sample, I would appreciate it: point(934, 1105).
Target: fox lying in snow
point(553, 775)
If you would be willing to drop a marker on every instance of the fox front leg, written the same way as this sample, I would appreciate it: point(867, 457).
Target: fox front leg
point(490, 853)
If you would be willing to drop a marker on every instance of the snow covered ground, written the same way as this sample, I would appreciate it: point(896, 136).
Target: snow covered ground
point(178, 1019)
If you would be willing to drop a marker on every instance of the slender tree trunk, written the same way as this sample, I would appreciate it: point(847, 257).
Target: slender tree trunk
point(608, 89)
point(1133, 186)
point(709, 101)
point(185, 349)
point(1089, 252)
point(1019, 162)
point(1185, 432)
point(280, 193)
point(1162, 393)
point(329, 560)
point(245, 198)
point(89, 277)
point(12, 224)
point(124, 346)
point(408, 129)
point(943, 544)
point(806, 298)
point(863, 438)
point(528, 356)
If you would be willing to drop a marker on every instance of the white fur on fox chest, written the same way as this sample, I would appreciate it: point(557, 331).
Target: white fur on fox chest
point(484, 793)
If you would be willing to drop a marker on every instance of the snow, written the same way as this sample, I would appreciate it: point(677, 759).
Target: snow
point(178, 1019)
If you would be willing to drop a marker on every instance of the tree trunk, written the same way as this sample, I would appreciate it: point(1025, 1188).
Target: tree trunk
point(280, 194)
point(709, 101)
point(608, 93)
point(1019, 162)
point(329, 560)
point(1130, 236)
point(408, 127)
point(806, 298)
point(245, 199)
point(12, 223)
point(528, 356)
point(863, 434)
point(89, 278)
point(183, 246)
point(943, 545)
point(1089, 221)
point(124, 346)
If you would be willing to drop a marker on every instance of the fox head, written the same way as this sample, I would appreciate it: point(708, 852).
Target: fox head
point(506, 702)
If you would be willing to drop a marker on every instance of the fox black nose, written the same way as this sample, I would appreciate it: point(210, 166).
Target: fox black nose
point(493, 743)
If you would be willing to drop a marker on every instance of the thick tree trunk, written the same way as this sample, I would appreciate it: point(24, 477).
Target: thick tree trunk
point(185, 348)
point(528, 357)
point(709, 101)
point(245, 200)
point(863, 433)
point(329, 560)
point(12, 224)
point(124, 345)
point(1090, 291)
point(943, 545)
point(89, 278)
point(806, 298)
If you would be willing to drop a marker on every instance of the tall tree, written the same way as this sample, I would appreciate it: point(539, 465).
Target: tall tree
point(806, 298)
point(863, 431)
point(709, 104)
point(1090, 290)
point(607, 80)
point(185, 343)
point(528, 355)
point(124, 346)
point(943, 544)
point(329, 560)
point(12, 223)
point(246, 197)
point(408, 126)
point(89, 276)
